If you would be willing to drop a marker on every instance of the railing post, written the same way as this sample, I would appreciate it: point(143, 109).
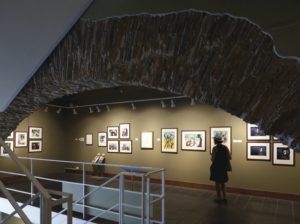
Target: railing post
point(142, 199)
point(163, 196)
point(121, 199)
point(69, 211)
point(46, 208)
point(32, 173)
point(148, 200)
point(83, 190)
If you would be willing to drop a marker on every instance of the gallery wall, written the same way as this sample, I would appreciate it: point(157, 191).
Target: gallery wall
point(184, 166)
point(52, 143)
point(61, 133)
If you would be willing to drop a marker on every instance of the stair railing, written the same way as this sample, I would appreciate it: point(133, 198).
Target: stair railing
point(46, 200)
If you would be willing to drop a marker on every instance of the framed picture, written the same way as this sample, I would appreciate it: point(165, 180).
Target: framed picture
point(124, 130)
point(169, 140)
point(224, 133)
point(112, 146)
point(10, 145)
point(254, 133)
point(89, 139)
point(193, 140)
point(283, 155)
point(125, 146)
point(147, 140)
point(35, 133)
point(11, 135)
point(35, 146)
point(258, 151)
point(112, 132)
point(102, 139)
point(21, 139)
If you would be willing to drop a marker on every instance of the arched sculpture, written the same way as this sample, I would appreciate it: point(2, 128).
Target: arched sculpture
point(218, 59)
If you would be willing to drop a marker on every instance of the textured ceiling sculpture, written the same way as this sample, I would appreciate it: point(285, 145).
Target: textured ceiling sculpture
point(218, 59)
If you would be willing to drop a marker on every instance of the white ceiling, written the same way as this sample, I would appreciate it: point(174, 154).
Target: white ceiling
point(29, 31)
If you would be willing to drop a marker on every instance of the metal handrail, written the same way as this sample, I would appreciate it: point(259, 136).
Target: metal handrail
point(15, 205)
point(45, 197)
point(25, 170)
point(21, 207)
point(87, 195)
point(145, 174)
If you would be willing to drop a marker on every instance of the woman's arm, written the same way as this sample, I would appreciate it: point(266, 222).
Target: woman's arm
point(213, 154)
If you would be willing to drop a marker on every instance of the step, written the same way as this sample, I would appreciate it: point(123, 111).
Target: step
point(33, 213)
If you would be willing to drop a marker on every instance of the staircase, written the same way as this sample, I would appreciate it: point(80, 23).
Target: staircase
point(125, 197)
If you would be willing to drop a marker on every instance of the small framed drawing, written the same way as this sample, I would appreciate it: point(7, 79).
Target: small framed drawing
point(193, 140)
point(124, 130)
point(125, 146)
point(35, 146)
point(224, 133)
point(258, 151)
point(35, 133)
point(21, 139)
point(102, 139)
point(112, 146)
point(11, 135)
point(10, 145)
point(169, 140)
point(254, 133)
point(147, 140)
point(283, 155)
point(89, 139)
point(112, 132)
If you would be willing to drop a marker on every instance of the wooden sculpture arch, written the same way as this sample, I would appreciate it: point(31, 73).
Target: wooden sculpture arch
point(218, 59)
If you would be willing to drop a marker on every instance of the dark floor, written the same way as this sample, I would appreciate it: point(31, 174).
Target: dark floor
point(191, 206)
point(194, 206)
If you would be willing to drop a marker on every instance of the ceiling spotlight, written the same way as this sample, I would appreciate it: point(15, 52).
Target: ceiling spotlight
point(107, 108)
point(74, 111)
point(98, 109)
point(193, 102)
point(58, 110)
point(46, 109)
point(91, 110)
point(172, 104)
point(163, 105)
point(133, 106)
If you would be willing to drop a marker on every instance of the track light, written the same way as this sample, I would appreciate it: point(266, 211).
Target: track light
point(133, 106)
point(74, 111)
point(58, 110)
point(172, 104)
point(98, 109)
point(193, 102)
point(107, 106)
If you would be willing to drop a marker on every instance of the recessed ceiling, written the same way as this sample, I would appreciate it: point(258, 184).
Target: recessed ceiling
point(108, 95)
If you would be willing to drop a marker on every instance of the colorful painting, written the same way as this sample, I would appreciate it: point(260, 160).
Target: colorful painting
point(169, 140)
point(222, 132)
point(193, 140)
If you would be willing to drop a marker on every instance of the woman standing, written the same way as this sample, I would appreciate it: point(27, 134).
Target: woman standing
point(220, 158)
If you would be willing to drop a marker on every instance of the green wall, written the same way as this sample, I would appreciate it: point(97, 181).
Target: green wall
point(184, 166)
point(60, 132)
point(53, 143)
